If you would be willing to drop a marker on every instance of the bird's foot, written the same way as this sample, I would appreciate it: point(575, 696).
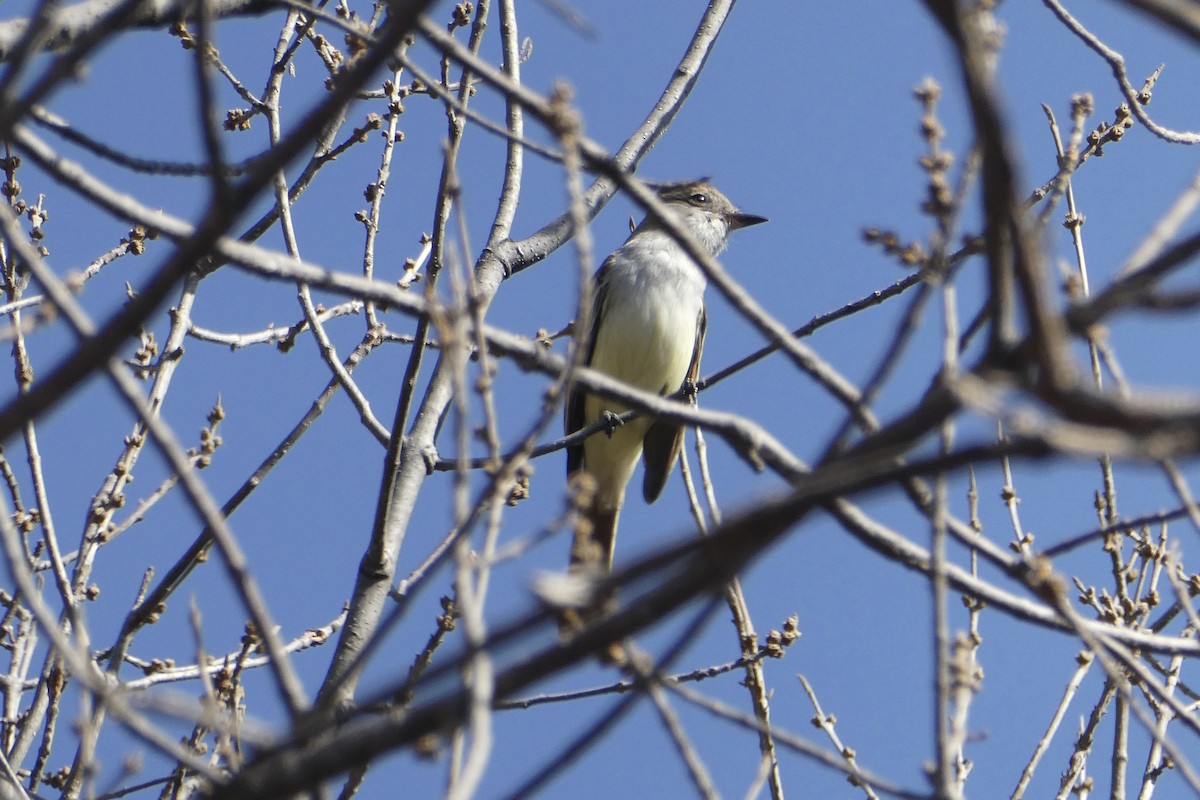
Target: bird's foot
point(611, 422)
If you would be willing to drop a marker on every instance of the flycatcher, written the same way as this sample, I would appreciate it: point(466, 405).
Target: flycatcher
point(648, 325)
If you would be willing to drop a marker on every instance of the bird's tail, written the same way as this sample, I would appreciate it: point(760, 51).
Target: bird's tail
point(595, 539)
point(591, 560)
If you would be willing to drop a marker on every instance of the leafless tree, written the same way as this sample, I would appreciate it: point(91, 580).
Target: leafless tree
point(1031, 356)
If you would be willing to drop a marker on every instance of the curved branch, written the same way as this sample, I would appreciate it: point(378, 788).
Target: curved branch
point(72, 23)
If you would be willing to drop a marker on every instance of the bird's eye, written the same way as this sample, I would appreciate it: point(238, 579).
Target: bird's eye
point(700, 199)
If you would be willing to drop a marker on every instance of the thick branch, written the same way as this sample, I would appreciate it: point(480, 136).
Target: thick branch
point(71, 23)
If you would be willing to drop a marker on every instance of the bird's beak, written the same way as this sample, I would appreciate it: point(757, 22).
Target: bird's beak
point(740, 220)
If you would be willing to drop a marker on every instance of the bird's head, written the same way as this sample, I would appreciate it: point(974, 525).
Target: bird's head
point(706, 211)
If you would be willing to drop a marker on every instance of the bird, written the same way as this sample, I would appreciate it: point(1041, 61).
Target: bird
point(648, 326)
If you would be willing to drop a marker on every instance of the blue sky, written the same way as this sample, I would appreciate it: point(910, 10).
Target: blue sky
point(804, 114)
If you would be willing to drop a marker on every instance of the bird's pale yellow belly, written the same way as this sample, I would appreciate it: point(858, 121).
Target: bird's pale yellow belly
point(647, 343)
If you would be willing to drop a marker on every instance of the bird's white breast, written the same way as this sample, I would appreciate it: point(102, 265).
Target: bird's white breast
point(653, 298)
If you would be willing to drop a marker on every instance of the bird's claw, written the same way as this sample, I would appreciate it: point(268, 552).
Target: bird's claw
point(611, 422)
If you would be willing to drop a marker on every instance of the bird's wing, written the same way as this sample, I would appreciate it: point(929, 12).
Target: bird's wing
point(664, 439)
point(573, 415)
